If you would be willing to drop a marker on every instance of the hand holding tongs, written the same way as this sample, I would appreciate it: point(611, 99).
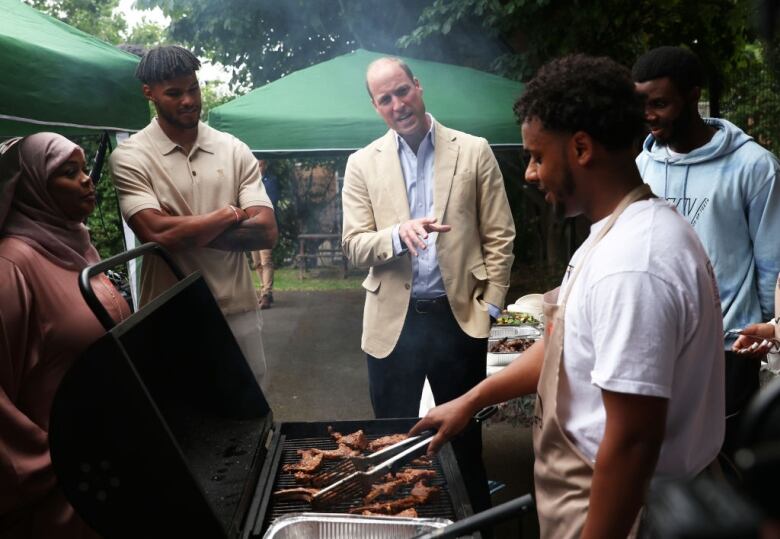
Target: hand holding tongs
point(373, 467)
point(772, 345)
point(359, 483)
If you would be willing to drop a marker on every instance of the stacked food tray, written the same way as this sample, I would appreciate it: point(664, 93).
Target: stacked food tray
point(507, 342)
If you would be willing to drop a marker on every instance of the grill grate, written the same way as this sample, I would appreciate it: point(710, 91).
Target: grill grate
point(440, 506)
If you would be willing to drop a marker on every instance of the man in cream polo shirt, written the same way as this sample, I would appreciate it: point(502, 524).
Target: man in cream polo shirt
point(196, 191)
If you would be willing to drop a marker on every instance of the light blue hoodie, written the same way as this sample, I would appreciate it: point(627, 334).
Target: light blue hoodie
point(728, 190)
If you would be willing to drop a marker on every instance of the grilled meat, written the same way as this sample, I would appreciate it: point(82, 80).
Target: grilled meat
point(507, 345)
point(297, 494)
point(412, 475)
point(382, 489)
point(423, 493)
point(410, 513)
point(343, 451)
point(420, 494)
point(425, 460)
point(384, 441)
point(356, 440)
point(310, 462)
point(387, 508)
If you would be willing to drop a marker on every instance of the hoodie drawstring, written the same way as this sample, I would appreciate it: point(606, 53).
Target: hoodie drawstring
point(666, 178)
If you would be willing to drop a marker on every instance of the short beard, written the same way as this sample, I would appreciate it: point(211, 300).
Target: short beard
point(172, 120)
point(680, 126)
point(567, 188)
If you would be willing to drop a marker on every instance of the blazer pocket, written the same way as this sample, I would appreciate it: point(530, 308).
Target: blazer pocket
point(371, 283)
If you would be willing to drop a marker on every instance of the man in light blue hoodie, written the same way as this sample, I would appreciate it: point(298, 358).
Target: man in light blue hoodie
point(726, 185)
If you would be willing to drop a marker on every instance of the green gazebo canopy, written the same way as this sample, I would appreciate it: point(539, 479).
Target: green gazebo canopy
point(326, 108)
point(57, 78)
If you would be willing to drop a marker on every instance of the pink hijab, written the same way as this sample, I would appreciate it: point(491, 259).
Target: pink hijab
point(27, 211)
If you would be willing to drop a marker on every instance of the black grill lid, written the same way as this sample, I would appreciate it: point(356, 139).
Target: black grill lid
point(159, 429)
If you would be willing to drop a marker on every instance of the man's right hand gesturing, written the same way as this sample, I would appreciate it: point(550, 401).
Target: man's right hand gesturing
point(412, 233)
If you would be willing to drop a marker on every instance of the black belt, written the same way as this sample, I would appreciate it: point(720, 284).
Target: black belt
point(429, 306)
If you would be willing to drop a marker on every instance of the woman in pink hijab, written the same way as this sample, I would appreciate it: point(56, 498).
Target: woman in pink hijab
point(45, 323)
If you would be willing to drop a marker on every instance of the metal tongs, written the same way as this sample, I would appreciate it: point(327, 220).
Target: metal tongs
point(359, 483)
point(369, 469)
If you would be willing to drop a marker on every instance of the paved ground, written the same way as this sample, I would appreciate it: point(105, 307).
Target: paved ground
point(318, 373)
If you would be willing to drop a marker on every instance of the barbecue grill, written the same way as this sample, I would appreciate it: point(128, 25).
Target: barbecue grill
point(160, 430)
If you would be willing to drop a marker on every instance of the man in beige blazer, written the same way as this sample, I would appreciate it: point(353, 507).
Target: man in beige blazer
point(425, 211)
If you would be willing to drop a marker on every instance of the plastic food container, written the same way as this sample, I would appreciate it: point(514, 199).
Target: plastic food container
point(513, 332)
point(344, 526)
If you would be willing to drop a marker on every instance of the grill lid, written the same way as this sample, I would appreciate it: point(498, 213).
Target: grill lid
point(158, 429)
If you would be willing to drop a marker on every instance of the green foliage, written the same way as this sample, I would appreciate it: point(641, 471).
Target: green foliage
point(212, 96)
point(537, 31)
point(288, 280)
point(147, 33)
point(302, 202)
point(263, 40)
point(94, 17)
point(752, 99)
point(97, 18)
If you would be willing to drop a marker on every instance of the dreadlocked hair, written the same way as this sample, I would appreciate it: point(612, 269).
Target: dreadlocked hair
point(585, 93)
point(165, 63)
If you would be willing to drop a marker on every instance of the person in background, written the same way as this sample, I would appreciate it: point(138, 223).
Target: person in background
point(45, 324)
point(629, 375)
point(426, 212)
point(262, 260)
point(726, 186)
point(197, 192)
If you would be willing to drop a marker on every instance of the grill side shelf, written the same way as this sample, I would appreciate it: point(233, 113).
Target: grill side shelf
point(256, 516)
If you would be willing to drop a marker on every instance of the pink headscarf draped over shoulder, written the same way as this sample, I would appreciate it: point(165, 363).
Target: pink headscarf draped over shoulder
point(27, 210)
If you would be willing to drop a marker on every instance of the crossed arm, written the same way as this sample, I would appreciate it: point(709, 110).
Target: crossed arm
point(228, 229)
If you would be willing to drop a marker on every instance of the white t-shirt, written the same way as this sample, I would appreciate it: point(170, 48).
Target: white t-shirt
point(644, 318)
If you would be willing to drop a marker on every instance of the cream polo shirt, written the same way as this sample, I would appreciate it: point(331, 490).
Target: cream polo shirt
point(152, 172)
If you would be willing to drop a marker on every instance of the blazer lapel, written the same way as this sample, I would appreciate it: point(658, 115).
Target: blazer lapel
point(444, 161)
point(392, 177)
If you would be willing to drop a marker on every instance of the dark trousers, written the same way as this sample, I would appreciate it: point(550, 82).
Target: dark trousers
point(433, 345)
point(741, 386)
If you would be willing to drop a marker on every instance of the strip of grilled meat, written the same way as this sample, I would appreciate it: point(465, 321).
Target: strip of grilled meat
point(356, 440)
point(420, 494)
point(343, 451)
point(310, 462)
point(297, 494)
point(382, 489)
point(412, 475)
point(384, 441)
point(409, 513)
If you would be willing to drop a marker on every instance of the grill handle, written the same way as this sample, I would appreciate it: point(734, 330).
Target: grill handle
point(90, 271)
point(481, 520)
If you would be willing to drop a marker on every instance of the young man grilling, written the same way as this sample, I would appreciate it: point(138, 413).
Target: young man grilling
point(629, 375)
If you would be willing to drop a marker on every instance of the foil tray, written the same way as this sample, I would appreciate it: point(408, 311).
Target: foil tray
point(345, 526)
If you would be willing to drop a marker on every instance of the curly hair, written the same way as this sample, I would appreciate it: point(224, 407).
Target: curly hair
point(165, 63)
point(679, 64)
point(585, 93)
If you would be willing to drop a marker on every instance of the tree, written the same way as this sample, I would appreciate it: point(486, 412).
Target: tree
point(537, 31)
point(95, 17)
point(263, 40)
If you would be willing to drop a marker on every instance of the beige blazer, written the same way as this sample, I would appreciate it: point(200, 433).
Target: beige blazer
point(475, 257)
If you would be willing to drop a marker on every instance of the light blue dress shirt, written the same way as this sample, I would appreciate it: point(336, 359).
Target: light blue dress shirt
point(417, 169)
